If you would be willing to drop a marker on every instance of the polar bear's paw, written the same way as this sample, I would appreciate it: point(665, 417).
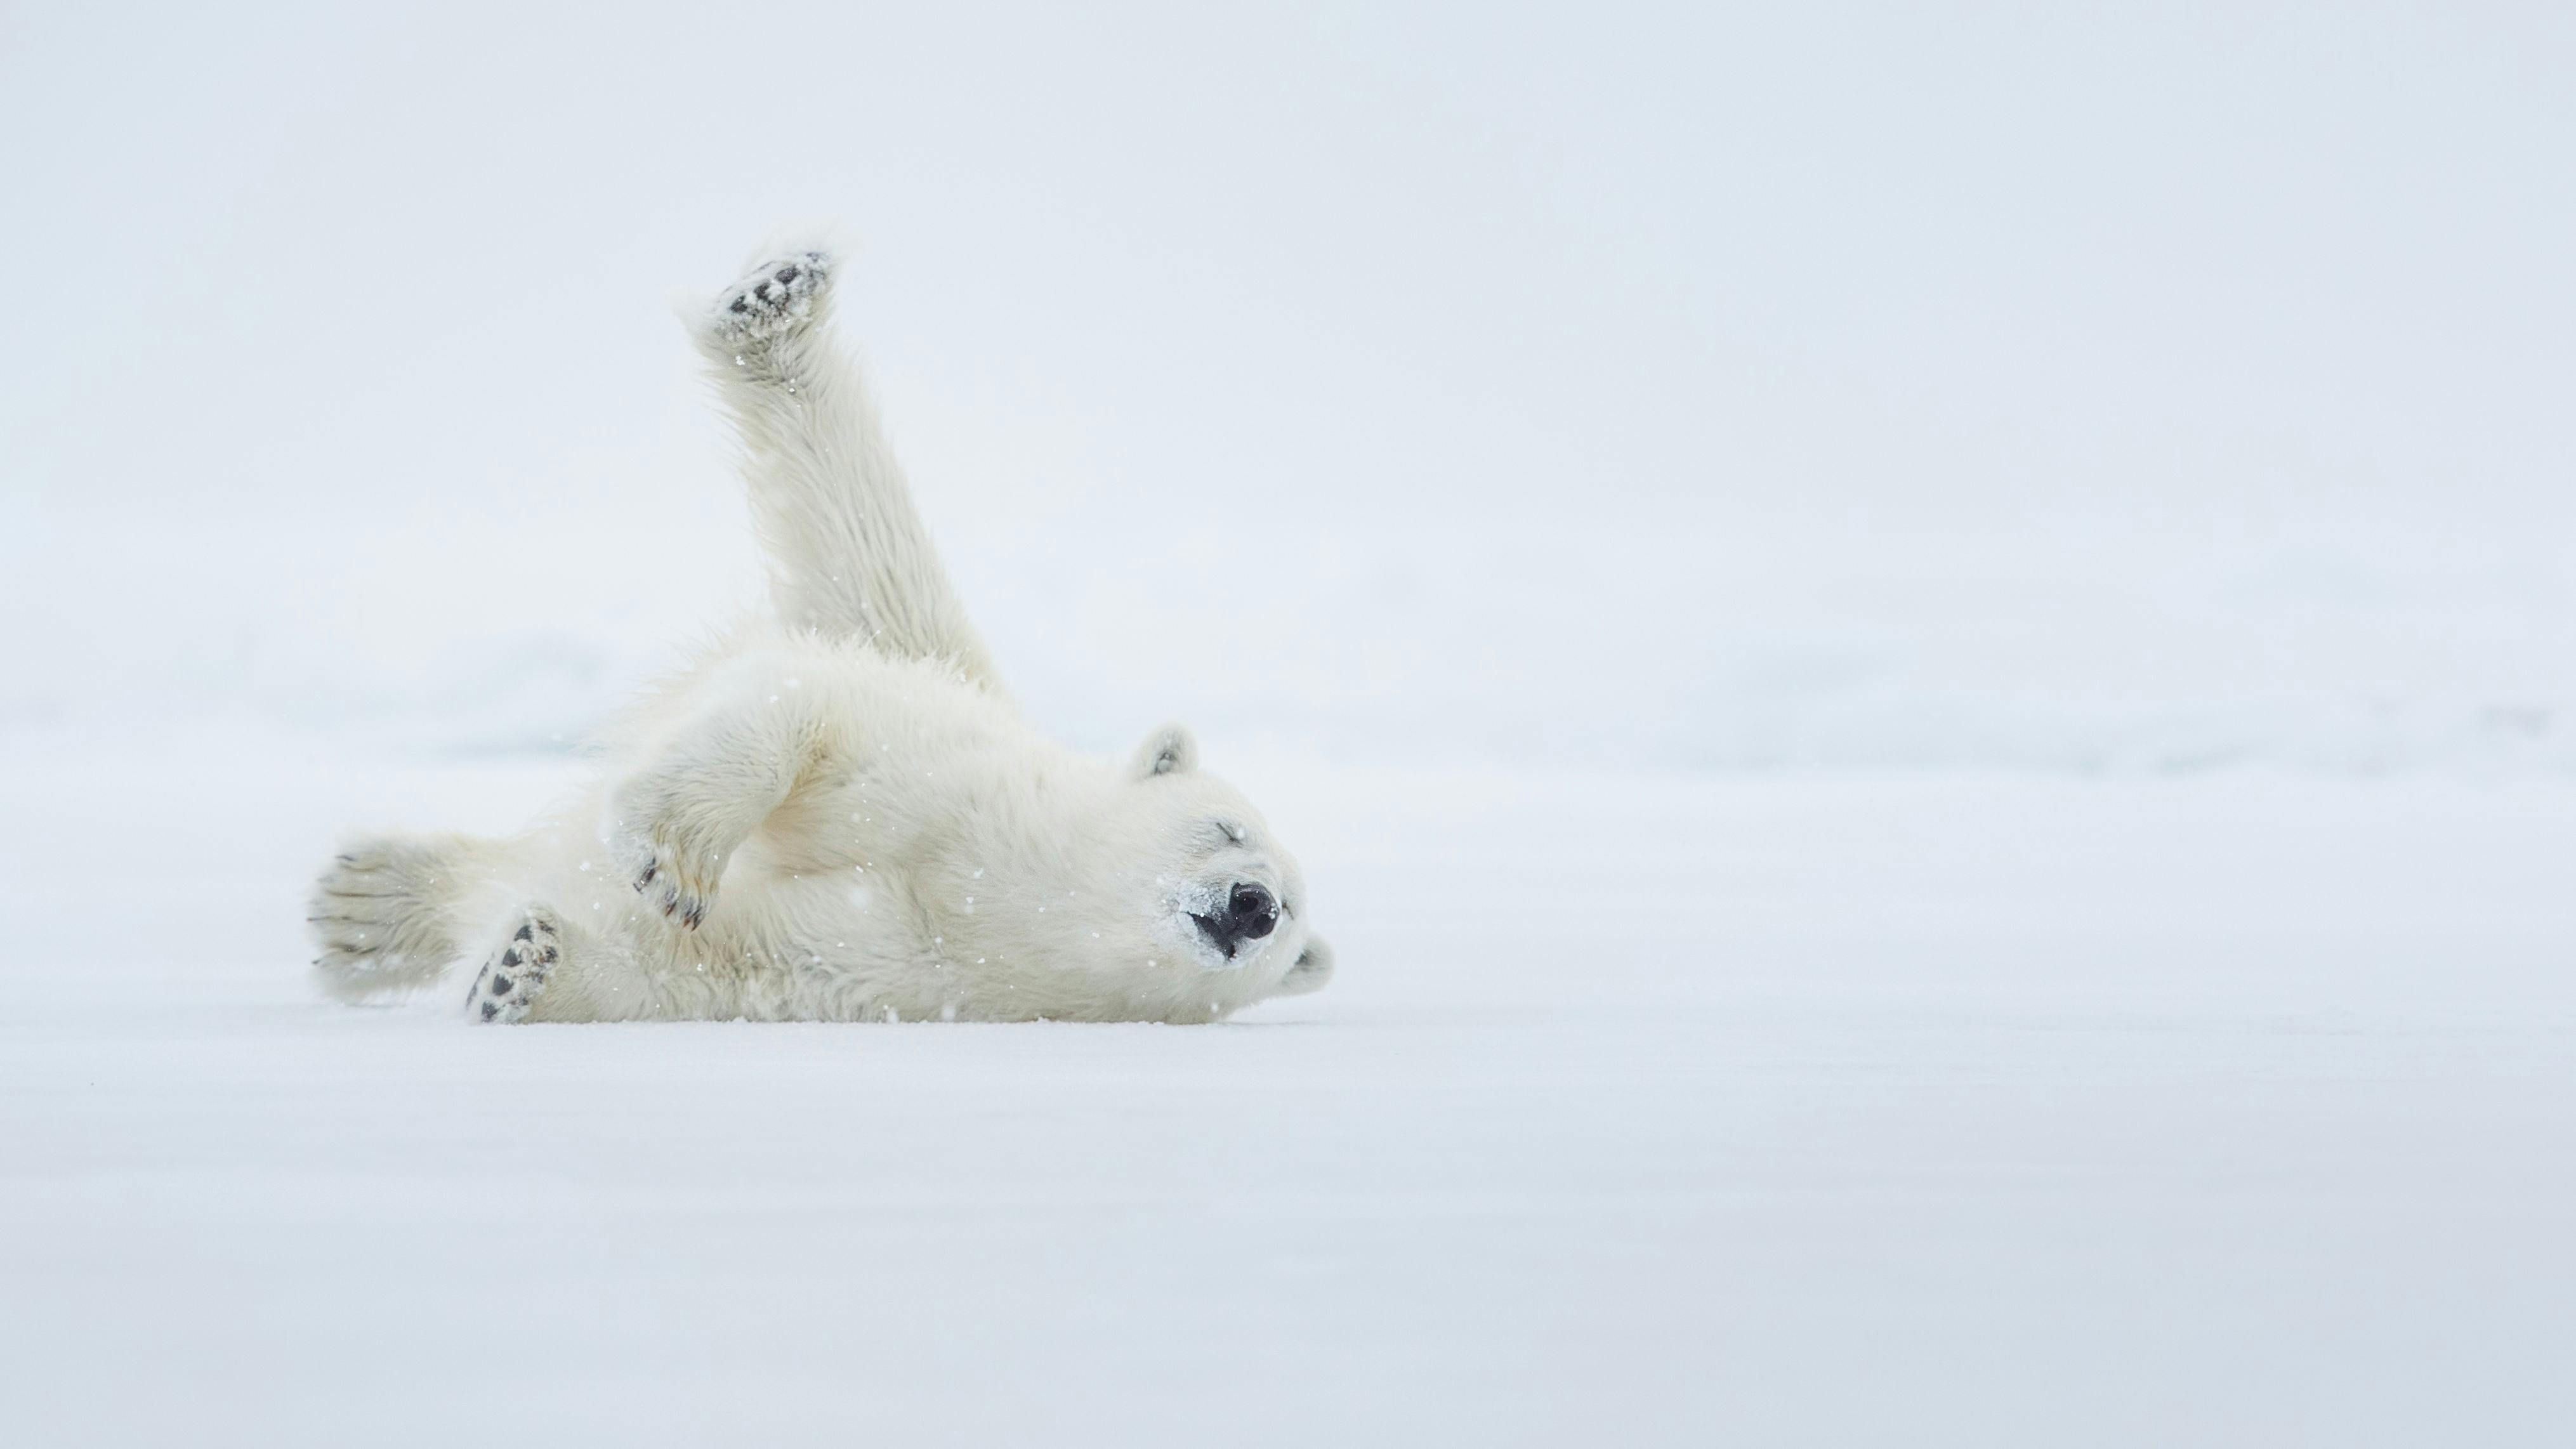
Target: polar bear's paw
point(516, 971)
point(375, 913)
point(669, 869)
point(681, 891)
point(777, 298)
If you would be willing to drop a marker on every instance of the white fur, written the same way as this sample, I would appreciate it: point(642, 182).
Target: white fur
point(836, 815)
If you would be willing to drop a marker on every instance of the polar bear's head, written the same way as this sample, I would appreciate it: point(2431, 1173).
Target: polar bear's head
point(1225, 896)
point(1148, 884)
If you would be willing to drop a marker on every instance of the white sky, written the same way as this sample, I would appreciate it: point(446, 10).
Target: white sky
point(2288, 288)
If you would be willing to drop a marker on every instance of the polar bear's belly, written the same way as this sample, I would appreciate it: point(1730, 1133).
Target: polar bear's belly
point(841, 946)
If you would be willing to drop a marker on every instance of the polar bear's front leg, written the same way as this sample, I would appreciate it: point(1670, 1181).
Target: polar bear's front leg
point(676, 822)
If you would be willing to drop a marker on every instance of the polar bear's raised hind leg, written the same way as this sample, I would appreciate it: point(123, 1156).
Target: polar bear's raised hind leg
point(848, 556)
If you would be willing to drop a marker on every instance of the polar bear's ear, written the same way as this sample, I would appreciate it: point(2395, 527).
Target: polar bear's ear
point(1167, 751)
point(1313, 969)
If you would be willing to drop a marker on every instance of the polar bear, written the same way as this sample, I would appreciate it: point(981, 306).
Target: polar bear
point(837, 814)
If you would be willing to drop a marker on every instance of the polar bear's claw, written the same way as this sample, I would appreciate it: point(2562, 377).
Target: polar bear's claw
point(514, 973)
point(684, 894)
point(776, 298)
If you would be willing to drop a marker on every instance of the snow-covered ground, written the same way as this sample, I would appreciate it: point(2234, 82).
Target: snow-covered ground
point(1646, 1109)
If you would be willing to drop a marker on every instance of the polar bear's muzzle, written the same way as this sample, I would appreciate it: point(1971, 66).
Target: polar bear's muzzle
point(1249, 913)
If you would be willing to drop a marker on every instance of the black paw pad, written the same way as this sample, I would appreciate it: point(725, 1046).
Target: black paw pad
point(513, 976)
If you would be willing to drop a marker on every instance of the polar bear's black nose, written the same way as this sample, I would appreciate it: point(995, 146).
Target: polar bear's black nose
point(1250, 912)
point(1249, 915)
